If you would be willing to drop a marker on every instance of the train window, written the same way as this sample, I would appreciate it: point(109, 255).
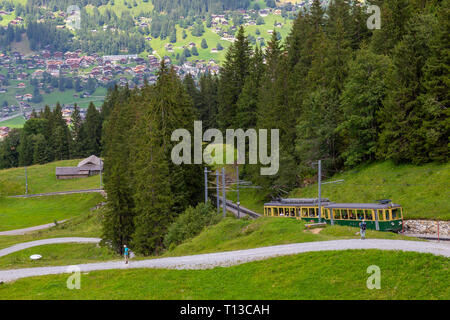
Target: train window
point(396, 214)
point(336, 214)
point(282, 212)
point(304, 212)
point(381, 215)
point(352, 214)
point(360, 214)
point(297, 212)
point(276, 211)
point(369, 215)
point(344, 213)
point(292, 212)
point(312, 212)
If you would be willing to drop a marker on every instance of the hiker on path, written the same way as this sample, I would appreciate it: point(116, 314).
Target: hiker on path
point(362, 229)
point(126, 253)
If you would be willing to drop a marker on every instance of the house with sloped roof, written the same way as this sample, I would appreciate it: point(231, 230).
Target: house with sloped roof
point(88, 167)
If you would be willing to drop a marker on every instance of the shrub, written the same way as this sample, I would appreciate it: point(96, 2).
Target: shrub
point(190, 223)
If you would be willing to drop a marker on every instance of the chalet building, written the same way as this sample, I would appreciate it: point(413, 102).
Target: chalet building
point(86, 168)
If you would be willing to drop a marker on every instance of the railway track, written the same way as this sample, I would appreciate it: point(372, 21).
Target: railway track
point(426, 236)
point(232, 207)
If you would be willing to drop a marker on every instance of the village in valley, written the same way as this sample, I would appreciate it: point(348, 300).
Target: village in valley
point(29, 80)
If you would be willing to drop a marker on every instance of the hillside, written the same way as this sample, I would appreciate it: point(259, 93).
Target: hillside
point(42, 179)
point(23, 213)
point(423, 191)
point(237, 234)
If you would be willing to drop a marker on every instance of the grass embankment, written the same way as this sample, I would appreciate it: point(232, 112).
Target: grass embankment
point(86, 225)
point(423, 191)
point(56, 255)
point(234, 234)
point(17, 213)
point(42, 179)
point(317, 275)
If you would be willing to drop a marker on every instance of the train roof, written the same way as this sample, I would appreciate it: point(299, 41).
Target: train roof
point(293, 202)
point(361, 206)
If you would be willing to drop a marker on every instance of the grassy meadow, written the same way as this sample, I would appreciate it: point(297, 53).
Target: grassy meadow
point(316, 275)
point(18, 213)
point(16, 122)
point(57, 255)
point(42, 179)
point(86, 225)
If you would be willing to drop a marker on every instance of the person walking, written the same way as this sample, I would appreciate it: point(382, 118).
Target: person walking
point(126, 253)
point(362, 229)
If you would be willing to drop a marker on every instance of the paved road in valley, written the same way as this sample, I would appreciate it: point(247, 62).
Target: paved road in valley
point(211, 260)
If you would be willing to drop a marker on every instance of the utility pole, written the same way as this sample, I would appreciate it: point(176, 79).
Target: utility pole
point(237, 189)
point(320, 190)
point(217, 191)
point(224, 200)
point(26, 181)
point(319, 180)
point(206, 185)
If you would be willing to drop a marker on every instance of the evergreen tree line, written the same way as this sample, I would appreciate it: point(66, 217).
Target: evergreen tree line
point(182, 8)
point(146, 190)
point(46, 137)
point(338, 91)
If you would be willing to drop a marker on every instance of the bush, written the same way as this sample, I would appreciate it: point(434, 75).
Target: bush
point(190, 223)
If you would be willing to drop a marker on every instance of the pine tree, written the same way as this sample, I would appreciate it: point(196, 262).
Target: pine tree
point(40, 149)
point(77, 142)
point(362, 99)
point(394, 18)
point(402, 116)
point(232, 79)
point(61, 138)
point(436, 120)
point(118, 223)
point(92, 132)
point(246, 114)
point(166, 107)
point(207, 109)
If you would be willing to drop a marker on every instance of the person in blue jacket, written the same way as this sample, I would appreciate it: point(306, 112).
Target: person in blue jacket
point(126, 253)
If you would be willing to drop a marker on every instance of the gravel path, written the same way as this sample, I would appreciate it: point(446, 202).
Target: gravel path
point(211, 260)
point(20, 232)
point(26, 245)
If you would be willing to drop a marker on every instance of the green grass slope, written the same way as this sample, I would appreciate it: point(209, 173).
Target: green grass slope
point(56, 255)
point(17, 122)
point(17, 213)
point(234, 234)
point(87, 225)
point(42, 179)
point(317, 275)
point(423, 191)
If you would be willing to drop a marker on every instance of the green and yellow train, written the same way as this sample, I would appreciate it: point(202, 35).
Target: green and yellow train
point(382, 216)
